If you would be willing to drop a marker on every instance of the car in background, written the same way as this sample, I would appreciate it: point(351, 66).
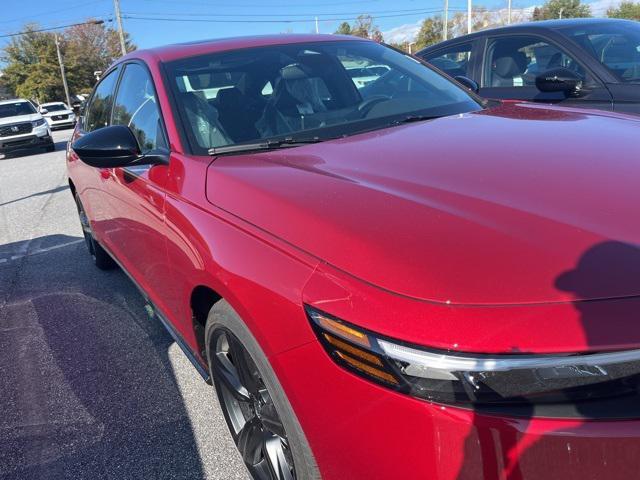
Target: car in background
point(58, 115)
point(591, 63)
point(398, 281)
point(22, 127)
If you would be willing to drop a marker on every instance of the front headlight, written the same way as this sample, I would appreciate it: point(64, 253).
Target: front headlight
point(474, 379)
point(38, 123)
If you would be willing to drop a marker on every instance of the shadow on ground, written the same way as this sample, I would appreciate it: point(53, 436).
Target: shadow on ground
point(87, 389)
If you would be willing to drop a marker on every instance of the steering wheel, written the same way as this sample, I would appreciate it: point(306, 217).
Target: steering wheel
point(367, 104)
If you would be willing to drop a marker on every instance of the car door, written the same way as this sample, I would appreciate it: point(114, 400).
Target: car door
point(137, 194)
point(512, 62)
point(455, 60)
point(93, 192)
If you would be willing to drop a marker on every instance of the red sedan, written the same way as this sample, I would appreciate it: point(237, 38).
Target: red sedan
point(383, 275)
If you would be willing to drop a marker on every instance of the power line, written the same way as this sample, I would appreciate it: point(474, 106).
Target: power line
point(42, 14)
point(263, 5)
point(240, 15)
point(281, 20)
point(48, 29)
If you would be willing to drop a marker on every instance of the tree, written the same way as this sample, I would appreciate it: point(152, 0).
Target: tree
point(363, 27)
point(344, 29)
point(31, 66)
point(628, 10)
point(430, 32)
point(89, 48)
point(561, 9)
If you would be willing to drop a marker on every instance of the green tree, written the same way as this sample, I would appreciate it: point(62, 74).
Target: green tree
point(31, 66)
point(561, 9)
point(430, 32)
point(628, 10)
point(363, 27)
point(344, 29)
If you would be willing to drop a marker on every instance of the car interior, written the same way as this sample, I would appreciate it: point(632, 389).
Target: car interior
point(243, 97)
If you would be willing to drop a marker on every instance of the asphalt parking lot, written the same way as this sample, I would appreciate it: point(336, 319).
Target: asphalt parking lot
point(90, 387)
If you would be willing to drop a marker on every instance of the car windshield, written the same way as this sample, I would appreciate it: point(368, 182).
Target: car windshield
point(16, 109)
point(306, 91)
point(55, 107)
point(615, 45)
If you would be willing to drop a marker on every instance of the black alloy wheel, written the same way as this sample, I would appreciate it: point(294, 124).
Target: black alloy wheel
point(254, 422)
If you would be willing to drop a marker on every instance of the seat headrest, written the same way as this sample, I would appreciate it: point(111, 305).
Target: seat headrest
point(229, 97)
point(295, 71)
point(510, 66)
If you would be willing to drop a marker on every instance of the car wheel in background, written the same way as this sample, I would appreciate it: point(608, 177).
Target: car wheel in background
point(258, 414)
point(100, 257)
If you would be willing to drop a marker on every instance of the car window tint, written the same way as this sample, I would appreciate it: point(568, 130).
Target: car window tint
point(323, 89)
point(454, 61)
point(99, 110)
point(137, 108)
point(616, 46)
point(517, 61)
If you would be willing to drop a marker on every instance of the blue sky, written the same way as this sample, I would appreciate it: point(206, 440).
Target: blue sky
point(389, 14)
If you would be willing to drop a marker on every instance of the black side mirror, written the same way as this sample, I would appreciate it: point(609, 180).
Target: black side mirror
point(468, 83)
point(559, 80)
point(115, 146)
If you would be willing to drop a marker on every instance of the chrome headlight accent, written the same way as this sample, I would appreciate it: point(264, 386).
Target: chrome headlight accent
point(477, 379)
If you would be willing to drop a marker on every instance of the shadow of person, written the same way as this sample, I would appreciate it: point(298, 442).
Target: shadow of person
point(605, 285)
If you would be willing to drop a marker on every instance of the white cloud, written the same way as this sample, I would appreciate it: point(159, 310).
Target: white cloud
point(403, 33)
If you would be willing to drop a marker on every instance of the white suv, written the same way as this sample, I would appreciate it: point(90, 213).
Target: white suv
point(22, 127)
point(58, 114)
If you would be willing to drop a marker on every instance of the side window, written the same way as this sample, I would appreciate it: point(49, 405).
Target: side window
point(99, 109)
point(517, 61)
point(137, 108)
point(454, 61)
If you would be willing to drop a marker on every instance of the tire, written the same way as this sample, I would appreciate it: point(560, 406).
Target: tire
point(101, 258)
point(223, 322)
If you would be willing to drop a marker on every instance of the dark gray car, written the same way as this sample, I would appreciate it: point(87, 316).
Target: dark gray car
point(592, 63)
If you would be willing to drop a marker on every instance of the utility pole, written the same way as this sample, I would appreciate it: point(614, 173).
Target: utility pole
point(64, 78)
point(445, 30)
point(317, 29)
point(561, 12)
point(116, 7)
point(509, 13)
point(469, 16)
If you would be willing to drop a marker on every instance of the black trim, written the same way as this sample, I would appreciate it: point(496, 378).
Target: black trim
point(199, 365)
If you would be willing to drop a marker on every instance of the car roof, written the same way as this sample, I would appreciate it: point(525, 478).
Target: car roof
point(184, 50)
point(52, 103)
point(531, 27)
point(14, 100)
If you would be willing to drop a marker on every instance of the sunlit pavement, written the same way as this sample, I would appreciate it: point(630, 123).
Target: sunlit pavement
point(90, 387)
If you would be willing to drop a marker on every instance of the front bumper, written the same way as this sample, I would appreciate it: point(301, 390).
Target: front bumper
point(39, 137)
point(69, 122)
point(359, 430)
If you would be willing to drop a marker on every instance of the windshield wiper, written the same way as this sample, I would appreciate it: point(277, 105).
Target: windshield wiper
point(414, 118)
point(265, 145)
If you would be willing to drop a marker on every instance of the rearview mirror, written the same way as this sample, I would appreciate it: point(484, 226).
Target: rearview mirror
point(115, 146)
point(558, 80)
point(468, 83)
point(44, 111)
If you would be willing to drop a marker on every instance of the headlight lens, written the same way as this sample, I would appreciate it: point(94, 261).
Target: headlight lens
point(38, 123)
point(474, 379)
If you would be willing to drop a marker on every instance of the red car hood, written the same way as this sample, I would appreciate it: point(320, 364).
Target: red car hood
point(518, 204)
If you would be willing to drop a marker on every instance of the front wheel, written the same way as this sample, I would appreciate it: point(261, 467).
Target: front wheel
point(258, 414)
point(101, 258)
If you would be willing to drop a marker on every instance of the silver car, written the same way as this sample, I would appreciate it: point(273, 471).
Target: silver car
point(22, 127)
